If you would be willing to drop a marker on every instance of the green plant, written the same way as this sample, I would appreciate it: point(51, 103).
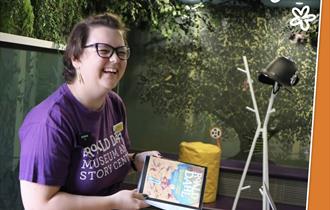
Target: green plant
point(17, 17)
point(55, 19)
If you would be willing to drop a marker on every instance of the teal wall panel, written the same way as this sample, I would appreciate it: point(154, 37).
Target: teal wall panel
point(27, 77)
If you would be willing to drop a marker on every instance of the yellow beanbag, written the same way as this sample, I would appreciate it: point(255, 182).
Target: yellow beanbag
point(207, 155)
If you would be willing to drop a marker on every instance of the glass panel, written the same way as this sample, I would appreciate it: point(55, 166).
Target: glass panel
point(27, 78)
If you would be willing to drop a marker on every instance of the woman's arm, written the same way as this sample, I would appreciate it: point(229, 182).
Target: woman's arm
point(37, 196)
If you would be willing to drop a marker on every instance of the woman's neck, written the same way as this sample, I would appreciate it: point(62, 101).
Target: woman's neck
point(83, 95)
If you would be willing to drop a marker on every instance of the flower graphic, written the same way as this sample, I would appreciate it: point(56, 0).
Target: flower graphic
point(302, 18)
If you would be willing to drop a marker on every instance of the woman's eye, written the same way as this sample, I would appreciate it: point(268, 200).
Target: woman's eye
point(104, 51)
point(122, 53)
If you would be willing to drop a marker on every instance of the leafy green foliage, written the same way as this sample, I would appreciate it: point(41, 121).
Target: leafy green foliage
point(56, 18)
point(16, 17)
point(43, 19)
point(195, 77)
point(167, 18)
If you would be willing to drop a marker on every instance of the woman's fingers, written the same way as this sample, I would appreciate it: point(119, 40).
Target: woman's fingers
point(139, 196)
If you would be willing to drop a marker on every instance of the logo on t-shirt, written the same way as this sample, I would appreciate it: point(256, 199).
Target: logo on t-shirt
point(102, 158)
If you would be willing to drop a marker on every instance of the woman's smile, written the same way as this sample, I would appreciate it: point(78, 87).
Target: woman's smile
point(110, 70)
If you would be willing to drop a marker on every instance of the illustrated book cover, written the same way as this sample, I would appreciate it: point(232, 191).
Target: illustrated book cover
point(172, 184)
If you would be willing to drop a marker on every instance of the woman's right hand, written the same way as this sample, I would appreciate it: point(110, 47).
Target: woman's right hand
point(128, 200)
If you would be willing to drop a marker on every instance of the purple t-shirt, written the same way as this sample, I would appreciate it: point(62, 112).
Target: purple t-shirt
point(65, 144)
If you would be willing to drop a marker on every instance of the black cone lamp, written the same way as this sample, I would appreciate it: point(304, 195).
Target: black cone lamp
point(281, 70)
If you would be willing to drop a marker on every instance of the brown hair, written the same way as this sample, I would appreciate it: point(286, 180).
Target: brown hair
point(79, 35)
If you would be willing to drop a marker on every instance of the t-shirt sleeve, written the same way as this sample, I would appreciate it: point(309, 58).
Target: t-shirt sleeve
point(45, 154)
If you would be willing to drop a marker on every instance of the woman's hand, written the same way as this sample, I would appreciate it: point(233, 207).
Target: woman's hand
point(128, 200)
point(140, 157)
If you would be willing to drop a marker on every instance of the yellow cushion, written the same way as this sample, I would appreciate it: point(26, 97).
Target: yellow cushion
point(207, 155)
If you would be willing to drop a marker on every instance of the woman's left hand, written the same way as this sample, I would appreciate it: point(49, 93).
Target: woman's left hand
point(140, 157)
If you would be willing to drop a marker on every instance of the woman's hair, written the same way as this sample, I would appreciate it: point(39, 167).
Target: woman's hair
point(79, 35)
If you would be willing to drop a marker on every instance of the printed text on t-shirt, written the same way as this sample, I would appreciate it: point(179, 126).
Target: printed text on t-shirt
point(104, 156)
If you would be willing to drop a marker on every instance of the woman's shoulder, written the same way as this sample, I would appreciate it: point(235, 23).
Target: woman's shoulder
point(49, 108)
point(114, 97)
point(116, 102)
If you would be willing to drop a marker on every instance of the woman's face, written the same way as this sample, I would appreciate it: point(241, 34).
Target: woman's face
point(100, 75)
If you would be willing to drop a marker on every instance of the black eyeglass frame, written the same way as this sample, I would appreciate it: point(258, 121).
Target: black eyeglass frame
point(114, 49)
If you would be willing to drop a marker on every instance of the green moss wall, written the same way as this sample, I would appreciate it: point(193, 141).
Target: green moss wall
point(178, 90)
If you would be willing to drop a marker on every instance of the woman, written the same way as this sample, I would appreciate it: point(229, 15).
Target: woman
point(74, 143)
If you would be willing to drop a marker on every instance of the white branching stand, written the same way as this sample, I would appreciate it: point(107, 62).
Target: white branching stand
point(264, 189)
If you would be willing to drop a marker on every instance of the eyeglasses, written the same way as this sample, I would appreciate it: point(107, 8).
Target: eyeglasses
point(106, 51)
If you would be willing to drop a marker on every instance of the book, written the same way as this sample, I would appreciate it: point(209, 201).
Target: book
point(172, 184)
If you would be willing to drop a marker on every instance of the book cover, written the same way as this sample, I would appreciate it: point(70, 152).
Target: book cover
point(172, 184)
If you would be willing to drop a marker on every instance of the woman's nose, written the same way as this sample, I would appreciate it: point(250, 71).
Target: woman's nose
point(114, 58)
